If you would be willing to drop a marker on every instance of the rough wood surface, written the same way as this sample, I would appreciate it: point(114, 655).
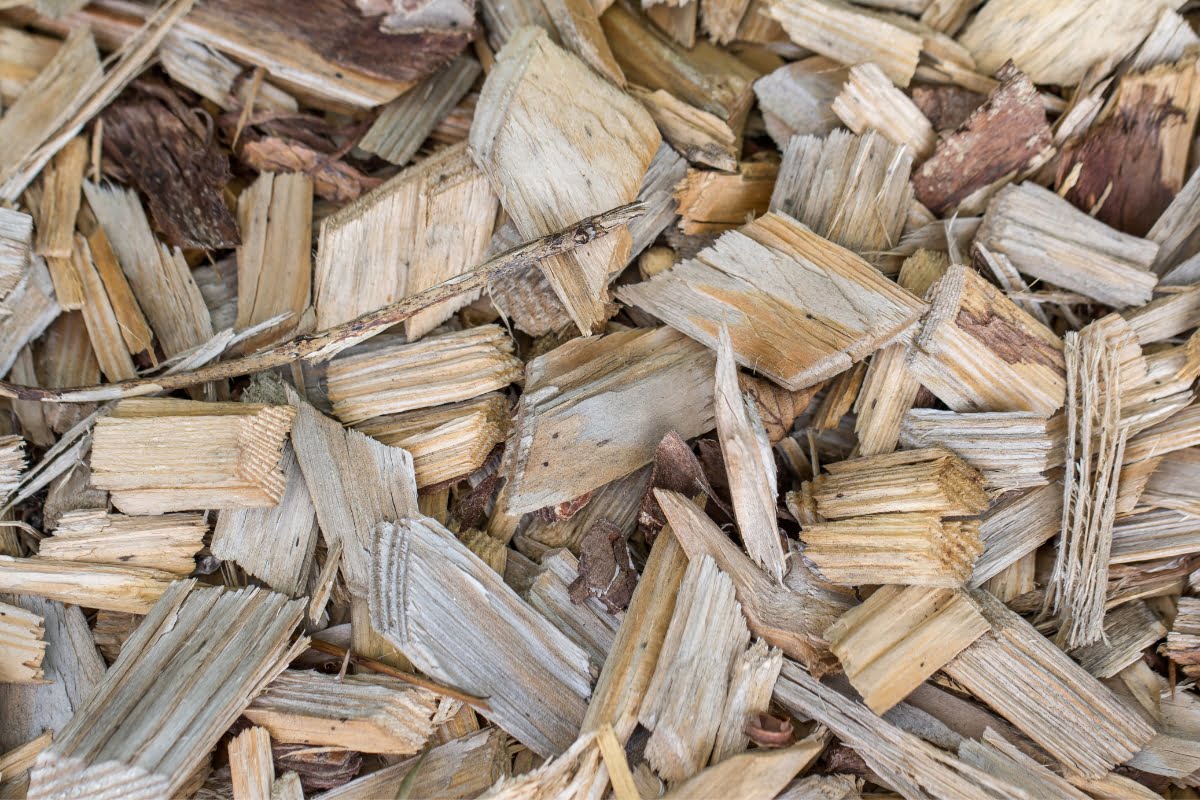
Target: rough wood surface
point(536, 680)
point(544, 187)
point(597, 390)
point(835, 310)
point(242, 640)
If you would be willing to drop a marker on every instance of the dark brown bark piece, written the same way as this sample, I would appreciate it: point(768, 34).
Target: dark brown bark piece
point(676, 469)
point(163, 149)
point(606, 568)
point(338, 32)
point(947, 107)
point(1007, 134)
point(1133, 160)
point(333, 179)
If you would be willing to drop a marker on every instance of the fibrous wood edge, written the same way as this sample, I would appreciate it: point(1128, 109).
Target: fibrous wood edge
point(978, 351)
point(618, 394)
point(1183, 640)
point(22, 636)
point(797, 332)
point(931, 479)
point(1046, 237)
point(128, 735)
point(870, 101)
point(749, 463)
point(366, 713)
point(792, 617)
point(1027, 680)
point(440, 369)
point(436, 216)
point(899, 636)
point(454, 617)
point(445, 442)
point(274, 544)
point(105, 586)
point(853, 190)
point(1012, 449)
point(160, 455)
point(905, 761)
point(752, 677)
point(71, 666)
point(1128, 630)
point(16, 248)
point(913, 549)
point(1095, 448)
point(167, 542)
point(250, 766)
point(683, 702)
point(457, 770)
point(514, 111)
point(26, 312)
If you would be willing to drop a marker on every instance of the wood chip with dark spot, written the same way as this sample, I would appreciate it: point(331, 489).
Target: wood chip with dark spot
point(561, 512)
point(1007, 135)
point(1133, 160)
point(165, 151)
point(606, 568)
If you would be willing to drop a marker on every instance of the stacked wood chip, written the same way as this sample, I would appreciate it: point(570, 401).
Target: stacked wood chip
point(633, 399)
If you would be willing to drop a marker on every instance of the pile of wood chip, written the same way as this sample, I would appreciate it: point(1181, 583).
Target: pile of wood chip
point(587, 399)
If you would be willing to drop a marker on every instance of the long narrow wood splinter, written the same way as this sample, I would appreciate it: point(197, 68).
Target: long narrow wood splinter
point(328, 343)
point(478, 703)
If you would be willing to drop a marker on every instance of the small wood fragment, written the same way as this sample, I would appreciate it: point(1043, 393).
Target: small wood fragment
point(367, 713)
point(824, 331)
point(1037, 687)
point(250, 766)
point(22, 633)
point(797, 98)
point(758, 775)
point(792, 617)
point(1005, 136)
point(899, 637)
point(105, 586)
point(978, 351)
point(869, 100)
point(598, 390)
point(440, 369)
point(160, 455)
point(683, 702)
point(1077, 252)
point(853, 190)
point(436, 216)
point(1128, 630)
point(559, 188)
point(406, 122)
point(168, 543)
point(62, 182)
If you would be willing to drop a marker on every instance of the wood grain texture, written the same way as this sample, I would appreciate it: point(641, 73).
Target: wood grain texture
point(538, 136)
point(799, 308)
